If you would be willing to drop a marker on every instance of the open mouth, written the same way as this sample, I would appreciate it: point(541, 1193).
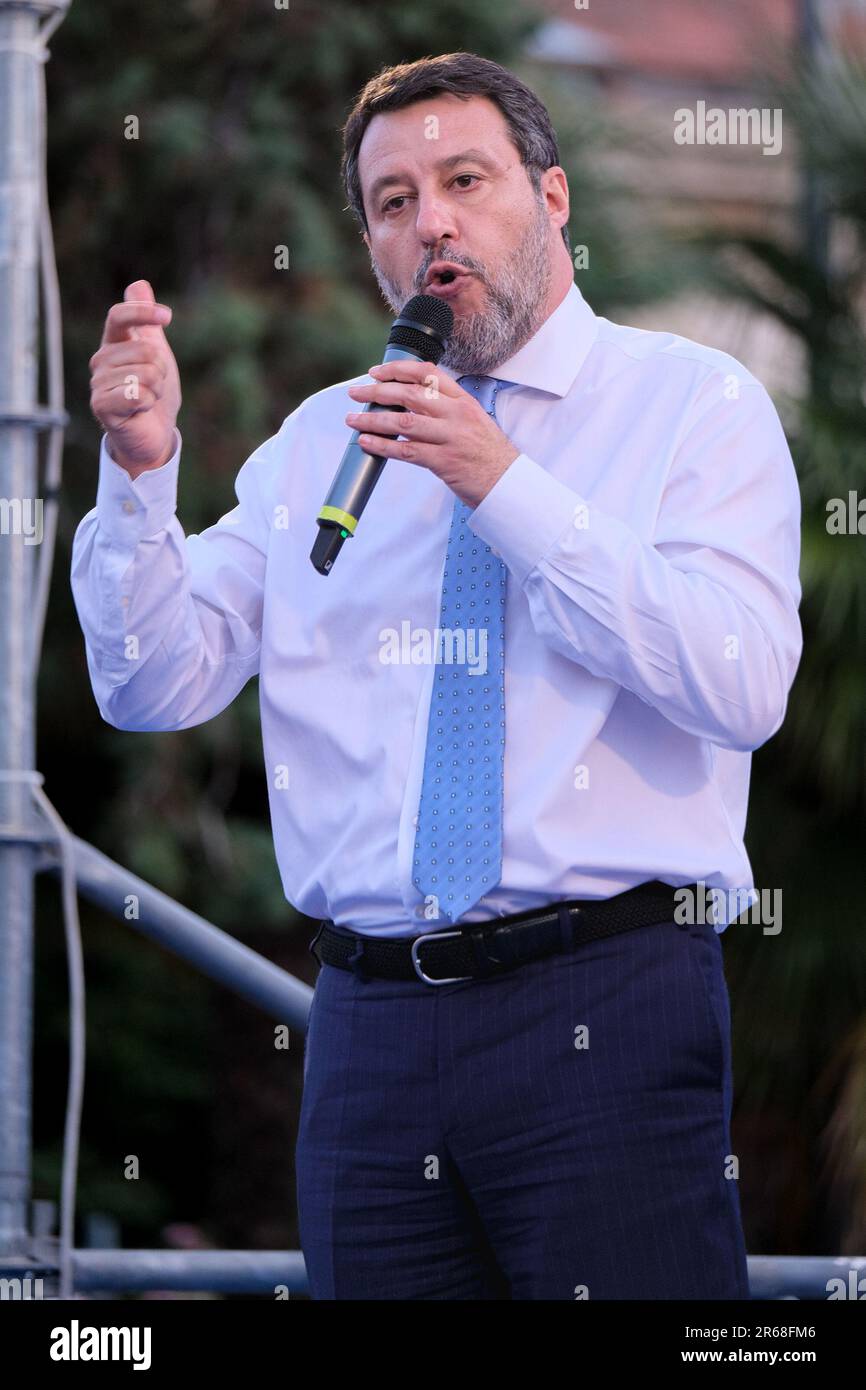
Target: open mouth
point(448, 283)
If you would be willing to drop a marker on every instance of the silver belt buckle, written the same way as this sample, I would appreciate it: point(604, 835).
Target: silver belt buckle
point(419, 970)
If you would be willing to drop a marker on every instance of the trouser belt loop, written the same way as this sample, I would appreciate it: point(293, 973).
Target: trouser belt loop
point(356, 962)
point(312, 946)
point(566, 926)
point(487, 961)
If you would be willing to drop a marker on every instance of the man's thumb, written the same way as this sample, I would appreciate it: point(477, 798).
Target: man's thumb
point(140, 289)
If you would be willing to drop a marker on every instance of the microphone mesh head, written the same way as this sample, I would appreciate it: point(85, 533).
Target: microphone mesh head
point(436, 318)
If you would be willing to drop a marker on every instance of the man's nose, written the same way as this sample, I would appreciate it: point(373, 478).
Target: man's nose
point(434, 219)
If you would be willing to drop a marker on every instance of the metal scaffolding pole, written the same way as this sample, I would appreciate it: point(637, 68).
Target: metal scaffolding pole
point(21, 145)
point(208, 950)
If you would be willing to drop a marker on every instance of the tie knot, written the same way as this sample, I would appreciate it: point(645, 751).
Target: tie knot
point(484, 389)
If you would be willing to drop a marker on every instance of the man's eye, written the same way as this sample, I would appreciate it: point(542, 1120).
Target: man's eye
point(401, 197)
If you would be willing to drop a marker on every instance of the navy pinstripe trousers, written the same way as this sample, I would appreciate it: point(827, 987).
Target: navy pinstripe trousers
point(557, 1132)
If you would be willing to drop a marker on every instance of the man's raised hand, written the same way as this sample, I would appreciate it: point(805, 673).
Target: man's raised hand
point(134, 381)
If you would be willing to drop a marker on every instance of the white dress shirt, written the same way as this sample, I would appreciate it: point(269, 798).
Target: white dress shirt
point(650, 529)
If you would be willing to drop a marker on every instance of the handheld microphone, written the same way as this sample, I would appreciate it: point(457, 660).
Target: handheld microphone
point(419, 333)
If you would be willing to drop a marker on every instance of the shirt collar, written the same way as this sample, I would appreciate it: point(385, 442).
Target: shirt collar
point(553, 356)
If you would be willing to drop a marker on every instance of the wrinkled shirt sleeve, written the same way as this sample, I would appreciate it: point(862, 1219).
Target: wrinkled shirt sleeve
point(701, 620)
point(172, 623)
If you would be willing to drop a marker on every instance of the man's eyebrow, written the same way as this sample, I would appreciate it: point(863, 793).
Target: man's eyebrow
point(476, 156)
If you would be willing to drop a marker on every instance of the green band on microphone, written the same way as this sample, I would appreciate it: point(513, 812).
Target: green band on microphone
point(340, 517)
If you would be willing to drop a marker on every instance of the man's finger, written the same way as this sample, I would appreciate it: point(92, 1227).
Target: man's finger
point(128, 352)
point(139, 289)
point(389, 422)
point(409, 450)
point(425, 373)
point(123, 319)
point(413, 395)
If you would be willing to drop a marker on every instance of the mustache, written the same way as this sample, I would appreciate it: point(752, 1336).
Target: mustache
point(455, 260)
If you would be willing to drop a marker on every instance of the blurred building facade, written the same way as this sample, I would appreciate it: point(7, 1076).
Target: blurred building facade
point(651, 60)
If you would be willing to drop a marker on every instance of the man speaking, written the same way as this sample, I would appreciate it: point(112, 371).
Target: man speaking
point(512, 720)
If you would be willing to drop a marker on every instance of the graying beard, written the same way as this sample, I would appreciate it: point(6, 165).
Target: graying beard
point(484, 340)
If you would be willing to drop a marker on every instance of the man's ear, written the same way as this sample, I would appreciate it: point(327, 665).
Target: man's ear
point(554, 184)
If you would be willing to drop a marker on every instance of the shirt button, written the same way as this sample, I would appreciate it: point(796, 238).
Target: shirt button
point(129, 507)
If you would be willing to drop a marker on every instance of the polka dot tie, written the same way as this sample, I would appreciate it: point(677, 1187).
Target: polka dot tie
point(458, 845)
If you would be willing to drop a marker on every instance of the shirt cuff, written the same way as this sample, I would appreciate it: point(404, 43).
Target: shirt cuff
point(524, 514)
point(129, 510)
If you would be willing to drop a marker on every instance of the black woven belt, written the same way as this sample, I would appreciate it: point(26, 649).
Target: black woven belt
point(477, 950)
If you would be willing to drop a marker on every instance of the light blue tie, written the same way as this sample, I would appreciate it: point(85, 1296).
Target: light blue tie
point(458, 844)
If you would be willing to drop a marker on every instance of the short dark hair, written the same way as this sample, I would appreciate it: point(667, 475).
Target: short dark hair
point(464, 74)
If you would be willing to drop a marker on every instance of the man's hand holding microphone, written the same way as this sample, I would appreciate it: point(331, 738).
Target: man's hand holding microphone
point(135, 383)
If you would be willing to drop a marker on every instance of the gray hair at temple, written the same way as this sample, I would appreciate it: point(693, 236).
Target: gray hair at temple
point(465, 75)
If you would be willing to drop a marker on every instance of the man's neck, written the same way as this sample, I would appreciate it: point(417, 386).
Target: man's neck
point(561, 281)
